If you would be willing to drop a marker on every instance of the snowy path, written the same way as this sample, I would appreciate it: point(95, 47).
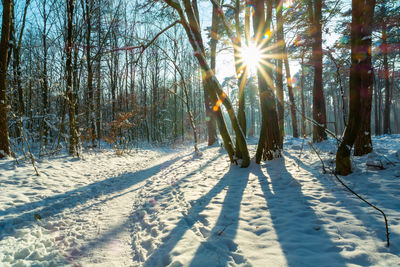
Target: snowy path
point(159, 208)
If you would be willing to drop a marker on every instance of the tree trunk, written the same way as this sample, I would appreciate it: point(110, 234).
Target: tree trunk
point(241, 74)
point(5, 37)
point(98, 82)
point(269, 143)
point(361, 77)
point(386, 113)
point(279, 70)
point(73, 137)
point(363, 143)
point(319, 109)
point(376, 113)
point(211, 83)
point(92, 119)
point(210, 116)
point(290, 91)
point(303, 108)
point(45, 88)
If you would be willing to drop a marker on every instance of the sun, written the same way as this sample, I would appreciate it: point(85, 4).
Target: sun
point(251, 56)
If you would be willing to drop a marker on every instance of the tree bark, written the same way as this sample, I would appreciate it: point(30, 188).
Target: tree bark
point(98, 82)
point(279, 70)
point(386, 112)
point(319, 109)
point(290, 90)
point(363, 143)
point(45, 88)
point(241, 74)
point(210, 116)
point(91, 126)
point(376, 113)
point(361, 77)
point(73, 137)
point(5, 38)
point(303, 111)
point(269, 143)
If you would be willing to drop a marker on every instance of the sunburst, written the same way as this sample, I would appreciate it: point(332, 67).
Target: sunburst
point(251, 56)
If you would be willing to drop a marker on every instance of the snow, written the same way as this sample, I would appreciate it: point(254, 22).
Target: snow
point(170, 207)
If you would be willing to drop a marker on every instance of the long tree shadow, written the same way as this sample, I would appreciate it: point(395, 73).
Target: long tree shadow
point(219, 245)
point(225, 228)
point(162, 191)
point(109, 238)
point(368, 217)
point(300, 232)
point(54, 205)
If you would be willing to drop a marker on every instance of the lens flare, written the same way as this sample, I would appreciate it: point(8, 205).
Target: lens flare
point(251, 55)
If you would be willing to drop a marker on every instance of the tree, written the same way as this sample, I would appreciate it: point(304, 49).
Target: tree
point(269, 143)
point(361, 78)
point(283, 55)
point(386, 112)
point(279, 69)
point(319, 110)
point(5, 37)
point(210, 82)
point(88, 13)
point(210, 118)
point(73, 134)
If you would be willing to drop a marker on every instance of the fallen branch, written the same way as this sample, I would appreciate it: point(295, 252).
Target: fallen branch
point(316, 152)
point(388, 160)
point(361, 198)
point(372, 205)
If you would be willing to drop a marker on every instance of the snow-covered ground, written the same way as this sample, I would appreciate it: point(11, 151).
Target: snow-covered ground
point(165, 207)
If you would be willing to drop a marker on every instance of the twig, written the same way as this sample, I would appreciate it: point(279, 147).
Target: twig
point(323, 165)
point(373, 206)
point(223, 229)
point(388, 160)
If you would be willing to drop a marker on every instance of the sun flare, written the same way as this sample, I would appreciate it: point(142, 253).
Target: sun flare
point(251, 55)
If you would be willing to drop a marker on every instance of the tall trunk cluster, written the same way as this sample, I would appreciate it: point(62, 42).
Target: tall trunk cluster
point(191, 25)
point(283, 56)
point(361, 79)
point(269, 144)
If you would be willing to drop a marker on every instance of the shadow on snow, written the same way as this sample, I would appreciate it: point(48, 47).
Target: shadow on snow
point(54, 205)
point(302, 237)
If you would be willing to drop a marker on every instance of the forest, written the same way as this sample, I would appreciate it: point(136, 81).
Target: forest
point(200, 133)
